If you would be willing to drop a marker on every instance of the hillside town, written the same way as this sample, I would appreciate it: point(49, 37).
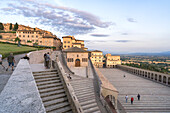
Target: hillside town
point(35, 36)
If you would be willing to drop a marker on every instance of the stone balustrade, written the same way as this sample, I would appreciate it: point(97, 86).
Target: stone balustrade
point(151, 75)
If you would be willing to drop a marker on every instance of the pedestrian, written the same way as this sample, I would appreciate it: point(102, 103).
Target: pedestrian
point(45, 56)
point(26, 57)
point(11, 61)
point(138, 96)
point(48, 60)
point(132, 99)
point(126, 97)
point(1, 61)
point(124, 76)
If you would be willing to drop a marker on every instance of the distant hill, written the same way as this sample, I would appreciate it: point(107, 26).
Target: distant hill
point(166, 53)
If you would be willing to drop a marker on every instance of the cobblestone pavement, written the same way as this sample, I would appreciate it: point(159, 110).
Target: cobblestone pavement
point(154, 97)
point(5, 75)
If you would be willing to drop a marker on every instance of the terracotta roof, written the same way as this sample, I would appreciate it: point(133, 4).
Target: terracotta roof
point(75, 49)
point(96, 51)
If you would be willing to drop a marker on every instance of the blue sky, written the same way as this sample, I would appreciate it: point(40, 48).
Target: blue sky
point(114, 26)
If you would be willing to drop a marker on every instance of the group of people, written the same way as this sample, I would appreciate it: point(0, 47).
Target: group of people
point(47, 60)
point(132, 99)
point(11, 61)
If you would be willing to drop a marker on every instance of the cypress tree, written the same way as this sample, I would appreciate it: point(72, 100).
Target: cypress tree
point(10, 27)
point(1, 26)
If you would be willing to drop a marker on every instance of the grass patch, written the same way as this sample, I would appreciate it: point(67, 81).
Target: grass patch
point(6, 49)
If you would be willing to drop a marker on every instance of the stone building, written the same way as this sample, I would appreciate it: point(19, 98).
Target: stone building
point(70, 41)
point(38, 37)
point(97, 58)
point(112, 61)
point(76, 57)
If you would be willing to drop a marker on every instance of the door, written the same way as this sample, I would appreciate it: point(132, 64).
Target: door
point(77, 63)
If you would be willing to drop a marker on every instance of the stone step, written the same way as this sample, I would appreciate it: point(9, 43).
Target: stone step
point(82, 85)
point(51, 89)
point(46, 76)
point(53, 97)
point(49, 73)
point(98, 111)
point(45, 71)
point(46, 79)
point(59, 108)
point(52, 93)
point(87, 102)
point(91, 105)
point(85, 95)
point(48, 82)
point(84, 92)
point(81, 82)
point(83, 99)
point(90, 110)
point(49, 86)
point(56, 101)
point(83, 88)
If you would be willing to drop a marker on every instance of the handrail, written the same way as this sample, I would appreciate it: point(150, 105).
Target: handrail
point(76, 107)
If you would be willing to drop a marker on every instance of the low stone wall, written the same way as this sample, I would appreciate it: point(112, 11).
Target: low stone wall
point(37, 57)
point(151, 75)
point(20, 95)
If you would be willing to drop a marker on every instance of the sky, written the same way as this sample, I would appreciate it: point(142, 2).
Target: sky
point(112, 26)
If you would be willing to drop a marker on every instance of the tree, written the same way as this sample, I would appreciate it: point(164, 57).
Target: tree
point(15, 26)
point(1, 26)
point(17, 39)
point(0, 36)
point(10, 27)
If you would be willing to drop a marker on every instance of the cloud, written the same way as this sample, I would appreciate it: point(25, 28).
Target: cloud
point(124, 33)
point(131, 20)
point(99, 35)
point(63, 19)
point(123, 41)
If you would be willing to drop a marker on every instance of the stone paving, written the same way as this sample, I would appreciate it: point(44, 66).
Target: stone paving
point(154, 97)
point(5, 75)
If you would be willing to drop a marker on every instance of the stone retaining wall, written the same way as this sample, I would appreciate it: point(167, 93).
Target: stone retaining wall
point(37, 57)
point(21, 95)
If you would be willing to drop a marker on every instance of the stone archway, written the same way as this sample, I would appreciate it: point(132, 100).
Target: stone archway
point(77, 63)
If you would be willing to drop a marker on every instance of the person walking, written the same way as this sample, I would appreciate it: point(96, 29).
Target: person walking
point(45, 56)
point(132, 99)
point(26, 57)
point(48, 60)
point(1, 61)
point(126, 97)
point(138, 96)
point(11, 61)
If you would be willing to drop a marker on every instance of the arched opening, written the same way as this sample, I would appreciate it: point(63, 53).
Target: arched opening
point(149, 75)
point(156, 77)
point(138, 72)
point(164, 79)
point(152, 76)
point(77, 63)
point(111, 102)
point(145, 74)
point(169, 81)
point(160, 78)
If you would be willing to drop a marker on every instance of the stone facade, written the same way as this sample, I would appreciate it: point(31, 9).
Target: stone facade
point(112, 61)
point(97, 58)
point(8, 36)
point(39, 37)
point(70, 41)
point(76, 57)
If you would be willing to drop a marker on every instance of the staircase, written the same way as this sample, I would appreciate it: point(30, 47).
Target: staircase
point(52, 92)
point(84, 91)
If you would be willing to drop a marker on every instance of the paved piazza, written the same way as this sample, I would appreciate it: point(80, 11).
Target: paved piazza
point(155, 98)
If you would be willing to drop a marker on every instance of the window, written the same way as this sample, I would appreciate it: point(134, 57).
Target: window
point(65, 46)
point(28, 36)
point(69, 59)
point(37, 36)
point(40, 41)
point(23, 35)
point(68, 41)
point(32, 36)
point(19, 35)
point(36, 40)
point(68, 46)
point(64, 41)
point(77, 55)
point(84, 59)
